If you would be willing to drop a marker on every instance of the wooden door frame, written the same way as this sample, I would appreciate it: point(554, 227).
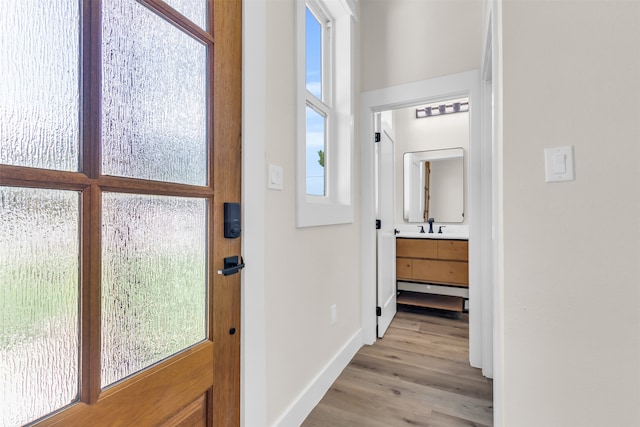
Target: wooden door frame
point(227, 170)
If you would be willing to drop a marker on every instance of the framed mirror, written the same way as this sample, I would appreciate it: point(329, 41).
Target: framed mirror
point(433, 185)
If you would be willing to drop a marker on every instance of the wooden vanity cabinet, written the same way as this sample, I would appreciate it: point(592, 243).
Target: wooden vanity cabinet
point(432, 261)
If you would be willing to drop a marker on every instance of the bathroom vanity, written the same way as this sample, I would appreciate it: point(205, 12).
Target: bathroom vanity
point(432, 272)
point(432, 267)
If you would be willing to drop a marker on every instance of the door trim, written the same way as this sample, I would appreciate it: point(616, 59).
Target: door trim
point(253, 398)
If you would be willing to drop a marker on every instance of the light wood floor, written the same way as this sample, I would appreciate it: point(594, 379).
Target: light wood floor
point(417, 375)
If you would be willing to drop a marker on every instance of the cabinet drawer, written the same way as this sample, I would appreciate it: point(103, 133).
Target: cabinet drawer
point(453, 249)
point(403, 268)
point(441, 271)
point(417, 248)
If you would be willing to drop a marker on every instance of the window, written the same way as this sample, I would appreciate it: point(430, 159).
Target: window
point(318, 103)
point(325, 100)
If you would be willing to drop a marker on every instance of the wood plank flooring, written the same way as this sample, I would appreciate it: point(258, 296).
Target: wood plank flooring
point(417, 375)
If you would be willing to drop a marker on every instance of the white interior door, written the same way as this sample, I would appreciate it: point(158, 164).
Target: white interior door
point(386, 238)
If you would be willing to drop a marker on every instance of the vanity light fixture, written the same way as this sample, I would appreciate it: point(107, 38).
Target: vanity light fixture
point(441, 109)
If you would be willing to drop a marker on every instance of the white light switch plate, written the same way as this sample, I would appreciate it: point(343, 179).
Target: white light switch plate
point(275, 177)
point(558, 164)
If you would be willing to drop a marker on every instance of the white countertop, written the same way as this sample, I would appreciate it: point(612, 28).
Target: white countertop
point(417, 235)
point(449, 231)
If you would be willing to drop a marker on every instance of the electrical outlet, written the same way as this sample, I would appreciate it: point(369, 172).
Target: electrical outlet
point(334, 314)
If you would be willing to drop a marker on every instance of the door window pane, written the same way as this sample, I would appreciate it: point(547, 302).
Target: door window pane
point(313, 53)
point(39, 95)
point(315, 164)
point(154, 280)
point(195, 10)
point(154, 89)
point(39, 254)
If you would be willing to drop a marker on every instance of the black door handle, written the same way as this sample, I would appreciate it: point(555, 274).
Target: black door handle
point(232, 265)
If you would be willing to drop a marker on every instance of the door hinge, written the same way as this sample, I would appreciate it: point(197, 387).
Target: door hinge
point(378, 224)
point(378, 311)
point(377, 137)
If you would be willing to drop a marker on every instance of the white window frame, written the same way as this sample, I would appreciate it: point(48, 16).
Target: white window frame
point(336, 206)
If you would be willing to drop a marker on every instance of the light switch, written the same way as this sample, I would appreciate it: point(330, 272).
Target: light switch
point(275, 177)
point(559, 164)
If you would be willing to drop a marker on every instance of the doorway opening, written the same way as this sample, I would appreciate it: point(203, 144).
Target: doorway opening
point(462, 85)
point(429, 167)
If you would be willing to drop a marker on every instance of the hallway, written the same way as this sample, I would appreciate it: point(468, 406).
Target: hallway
point(417, 375)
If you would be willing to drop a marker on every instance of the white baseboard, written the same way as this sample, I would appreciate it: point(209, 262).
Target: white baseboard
point(302, 406)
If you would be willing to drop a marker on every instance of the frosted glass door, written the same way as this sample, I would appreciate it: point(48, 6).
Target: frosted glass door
point(108, 188)
point(39, 350)
point(154, 90)
point(195, 10)
point(154, 280)
point(154, 127)
point(39, 91)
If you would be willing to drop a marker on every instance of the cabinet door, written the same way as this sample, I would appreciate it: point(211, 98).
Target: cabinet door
point(441, 271)
point(403, 268)
point(417, 248)
point(453, 249)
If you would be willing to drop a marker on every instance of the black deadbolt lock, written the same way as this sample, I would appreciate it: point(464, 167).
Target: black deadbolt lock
point(232, 220)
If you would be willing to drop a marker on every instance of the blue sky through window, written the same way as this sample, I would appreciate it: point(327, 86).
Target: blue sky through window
point(315, 122)
point(313, 51)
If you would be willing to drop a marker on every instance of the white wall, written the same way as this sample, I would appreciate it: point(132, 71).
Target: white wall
point(306, 270)
point(406, 41)
point(570, 269)
point(433, 133)
point(571, 250)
